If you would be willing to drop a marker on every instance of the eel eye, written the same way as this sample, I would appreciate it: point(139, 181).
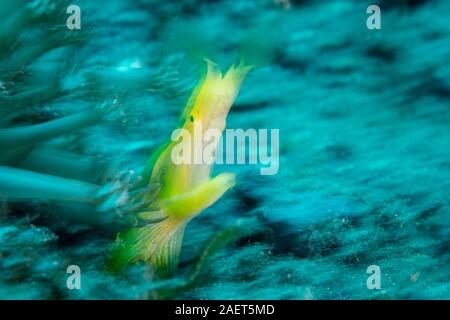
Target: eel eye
point(191, 118)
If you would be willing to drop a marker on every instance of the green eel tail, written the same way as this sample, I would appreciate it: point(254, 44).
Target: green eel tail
point(159, 244)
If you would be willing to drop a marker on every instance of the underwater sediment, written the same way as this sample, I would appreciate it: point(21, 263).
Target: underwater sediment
point(364, 166)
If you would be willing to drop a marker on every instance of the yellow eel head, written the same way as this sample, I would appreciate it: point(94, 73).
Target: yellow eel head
point(207, 109)
point(213, 97)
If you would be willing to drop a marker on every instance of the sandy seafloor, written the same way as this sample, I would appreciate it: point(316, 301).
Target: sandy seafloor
point(364, 168)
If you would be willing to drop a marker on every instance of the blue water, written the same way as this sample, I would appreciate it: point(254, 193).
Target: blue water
point(364, 168)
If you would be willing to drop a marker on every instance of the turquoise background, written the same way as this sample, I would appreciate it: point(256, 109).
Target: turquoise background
point(364, 120)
